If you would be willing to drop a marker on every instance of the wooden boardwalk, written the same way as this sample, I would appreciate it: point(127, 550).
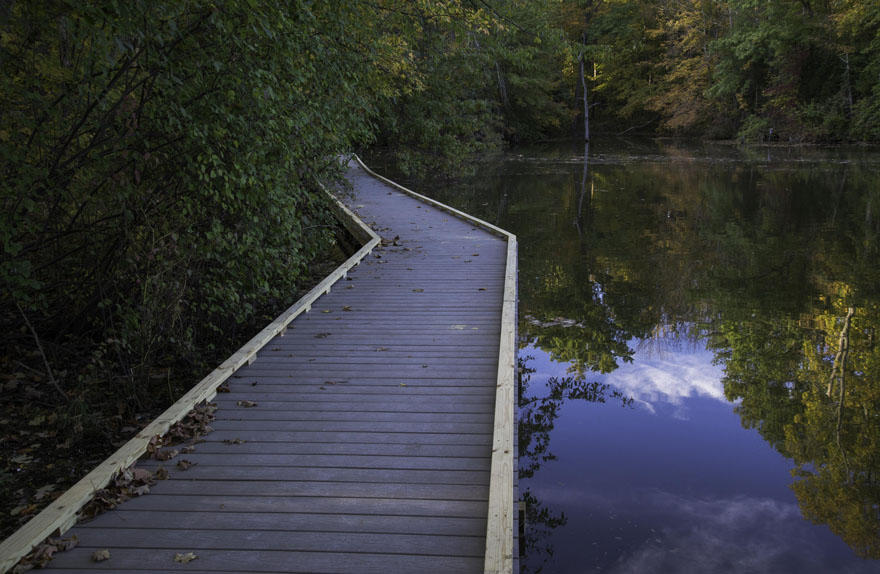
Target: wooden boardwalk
point(359, 441)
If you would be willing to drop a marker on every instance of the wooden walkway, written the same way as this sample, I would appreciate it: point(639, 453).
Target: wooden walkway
point(359, 441)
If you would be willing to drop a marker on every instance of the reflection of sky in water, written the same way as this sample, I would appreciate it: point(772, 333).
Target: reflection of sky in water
point(669, 376)
point(674, 484)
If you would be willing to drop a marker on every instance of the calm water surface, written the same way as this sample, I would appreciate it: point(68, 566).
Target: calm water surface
point(698, 339)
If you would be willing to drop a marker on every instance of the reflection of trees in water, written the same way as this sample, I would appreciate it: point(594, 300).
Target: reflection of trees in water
point(738, 262)
point(812, 389)
point(538, 411)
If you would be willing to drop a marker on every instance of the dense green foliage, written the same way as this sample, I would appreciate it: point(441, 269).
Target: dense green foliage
point(508, 70)
point(160, 168)
point(758, 69)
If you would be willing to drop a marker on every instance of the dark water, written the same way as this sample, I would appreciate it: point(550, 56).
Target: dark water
point(684, 312)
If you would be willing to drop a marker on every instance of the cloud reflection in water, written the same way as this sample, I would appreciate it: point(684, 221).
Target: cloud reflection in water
point(670, 376)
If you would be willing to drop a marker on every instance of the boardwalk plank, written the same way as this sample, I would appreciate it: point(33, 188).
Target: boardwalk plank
point(126, 559)
point(258, 540)
point(359, 475)
point(306, 522)
point(325, 489)
point(336, 461)
point(365, 448)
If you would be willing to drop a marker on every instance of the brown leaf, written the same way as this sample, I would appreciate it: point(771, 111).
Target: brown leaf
point(234, 441)
point(184, 464)
point(166, 454)
point(347, 308)
point(141, 475)
point(140, 490)
point(418, 290)
point(100, 555)
point(162, 473)
point(246, 404)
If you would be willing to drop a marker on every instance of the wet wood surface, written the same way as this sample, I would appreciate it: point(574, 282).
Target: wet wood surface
point(360, 440)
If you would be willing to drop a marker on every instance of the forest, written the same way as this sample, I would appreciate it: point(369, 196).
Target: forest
point(162, 160)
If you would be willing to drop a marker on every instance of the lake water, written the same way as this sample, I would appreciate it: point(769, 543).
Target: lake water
point(698, 342)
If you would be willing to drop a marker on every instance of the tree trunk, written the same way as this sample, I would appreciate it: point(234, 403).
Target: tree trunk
point(838, 368)
point(847, 85)
point(502, 86)
point(578, 221)
point(586, 101)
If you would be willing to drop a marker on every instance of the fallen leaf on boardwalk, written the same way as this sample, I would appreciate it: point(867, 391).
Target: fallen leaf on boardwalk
point(166, 454)
point(162, 473)
point(418, 290)
point(184, 558)
point(349, 286)
point(468, 260)
point(475, 254)
point(224, 388)
point(325, 311)
point(322, 335)
point(42, 554)
point(140, 490)
point(141, 475)
point(402, 384)
point(184, 464)
point(481, 289)
point(347, 308)
point(381, 348)
point(234, 441)
point(188, 449)
point(100, 555)
point(246, 404)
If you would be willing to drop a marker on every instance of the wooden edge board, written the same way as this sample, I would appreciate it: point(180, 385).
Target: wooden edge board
point(442, 206)
point(499, 528)
point(62, 513)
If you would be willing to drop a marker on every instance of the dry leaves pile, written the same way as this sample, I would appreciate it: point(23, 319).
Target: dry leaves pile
point(42, 554)
point(127, 484)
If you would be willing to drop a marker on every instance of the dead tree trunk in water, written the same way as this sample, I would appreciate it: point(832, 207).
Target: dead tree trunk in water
point(578, 221)
point(581, 62)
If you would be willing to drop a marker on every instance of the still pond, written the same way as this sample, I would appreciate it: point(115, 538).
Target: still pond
point(698, 345)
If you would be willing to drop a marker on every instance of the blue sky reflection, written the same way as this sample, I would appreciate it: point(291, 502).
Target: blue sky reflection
point(674, 484)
